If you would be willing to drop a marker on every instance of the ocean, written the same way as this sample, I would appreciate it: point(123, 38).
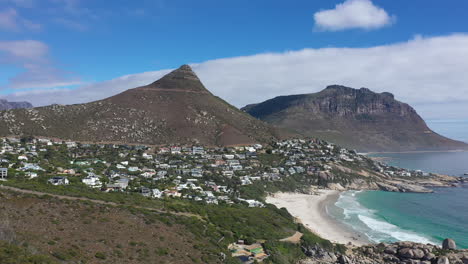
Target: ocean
point(425, 218)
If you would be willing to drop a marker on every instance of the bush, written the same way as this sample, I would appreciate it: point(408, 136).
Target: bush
point(100, 255)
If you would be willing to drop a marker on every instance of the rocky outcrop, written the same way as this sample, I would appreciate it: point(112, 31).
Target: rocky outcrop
point(398, 253)
point(449, 244)
point(354, 118)
point(403, 187)
point(5, 105)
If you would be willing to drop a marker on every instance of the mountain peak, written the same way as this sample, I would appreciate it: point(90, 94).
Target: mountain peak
point(6, 105)
point(183, 78)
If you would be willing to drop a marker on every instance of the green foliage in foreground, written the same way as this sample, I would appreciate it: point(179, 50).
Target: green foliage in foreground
point(219, 224)
point(12, 254)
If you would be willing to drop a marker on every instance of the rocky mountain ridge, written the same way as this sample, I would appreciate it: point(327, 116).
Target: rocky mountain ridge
point(6, 105)
point(175, 109)
point(354, 118)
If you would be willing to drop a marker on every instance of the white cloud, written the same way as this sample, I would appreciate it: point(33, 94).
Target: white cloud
point(10, 20)
point(30, 50)
point(428, 73)
point(38, 71)
point(351, 14)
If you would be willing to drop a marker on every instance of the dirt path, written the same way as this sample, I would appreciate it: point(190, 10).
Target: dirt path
point(296, 238)
point(73, 198)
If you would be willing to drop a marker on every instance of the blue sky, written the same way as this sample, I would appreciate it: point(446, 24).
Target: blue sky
point(78, 43)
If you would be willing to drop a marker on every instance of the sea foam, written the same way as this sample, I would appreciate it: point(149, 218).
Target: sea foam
point(366, 221)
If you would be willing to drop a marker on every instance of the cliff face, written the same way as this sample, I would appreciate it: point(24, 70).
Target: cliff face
point(354, 118)
point(176, 109)
point(5, 105)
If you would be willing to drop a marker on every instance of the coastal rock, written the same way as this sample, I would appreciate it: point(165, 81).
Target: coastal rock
point(336, 186)
point(344, 260)
point(465, 259)
point(387, 187)
point(418, 254)
point(391, 250)
point(406, 253)
point(429, 256)
point(442, 260)
point(404, 187)
point(449, 244)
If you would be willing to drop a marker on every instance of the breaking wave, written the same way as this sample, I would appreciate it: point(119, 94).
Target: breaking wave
point(367, 221)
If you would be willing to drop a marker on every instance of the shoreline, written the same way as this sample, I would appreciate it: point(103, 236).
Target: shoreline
point(311, 211)
point(413, 151)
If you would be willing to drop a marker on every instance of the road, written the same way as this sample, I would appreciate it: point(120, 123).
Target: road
point(73, 198)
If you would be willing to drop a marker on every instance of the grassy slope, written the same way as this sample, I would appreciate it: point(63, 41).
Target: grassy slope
point(82, 231)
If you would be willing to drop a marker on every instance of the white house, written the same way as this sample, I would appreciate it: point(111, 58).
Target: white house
point(157, 193)
point(3, 173)
point(92, 181)
point(31, 175)
point(59, 181)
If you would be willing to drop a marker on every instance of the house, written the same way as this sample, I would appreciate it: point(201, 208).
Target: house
point(119, 184)
point(69, 171)
point(147, 156)
point(196, 172)
point(31, 166)
point(198, 150)
point(148, 174)
point(92, 180)
point(252, 203)
point(163, 150)
point(176, 150)
point(228, 174)
point(31, 175)
point(248, 253)
point(133, 169)
point(172, 193)
point(147, 192)
point(156, 193)
point(236, 167)
point(3, 173)
point(59, 181)
point(71, 144)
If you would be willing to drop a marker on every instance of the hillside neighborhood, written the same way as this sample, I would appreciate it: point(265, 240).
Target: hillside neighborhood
point(209, 175)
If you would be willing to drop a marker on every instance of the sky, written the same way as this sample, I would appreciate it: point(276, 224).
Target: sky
point(75, 51)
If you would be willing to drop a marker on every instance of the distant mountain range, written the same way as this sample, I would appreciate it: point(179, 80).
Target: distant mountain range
point(354, 118)
point(176, 109)
point(5, 105)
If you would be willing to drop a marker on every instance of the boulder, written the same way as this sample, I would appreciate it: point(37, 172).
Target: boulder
point(464, 260)
point(429, 256)
point(344, 260)
point(449, 244)
point(418, 254)
point(443, 260)
point(391, 250)
point(406, 253)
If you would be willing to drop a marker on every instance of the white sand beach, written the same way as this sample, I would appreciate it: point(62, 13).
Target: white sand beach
point(311, 211)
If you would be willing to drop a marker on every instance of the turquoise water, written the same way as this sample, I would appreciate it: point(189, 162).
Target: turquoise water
point(425, 218)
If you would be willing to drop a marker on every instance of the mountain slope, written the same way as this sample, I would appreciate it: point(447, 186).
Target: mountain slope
point(354, 118)
point(175, 109)
point(5, 105)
